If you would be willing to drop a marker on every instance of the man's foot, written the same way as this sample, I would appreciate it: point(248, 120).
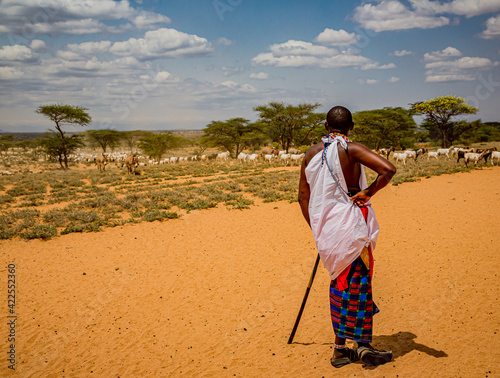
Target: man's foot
point(373, 357)
point(344, 356)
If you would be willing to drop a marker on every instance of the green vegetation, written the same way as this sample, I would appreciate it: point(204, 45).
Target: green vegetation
point(290, 125)
point(383, 128)
point(438, 114)
point(64, 115)
point(46, 204)
point(234, 135)
point(104, 138)
point(42, 202)
point(156, 145)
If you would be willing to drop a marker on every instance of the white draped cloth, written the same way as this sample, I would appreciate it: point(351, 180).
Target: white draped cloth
point(339, 228)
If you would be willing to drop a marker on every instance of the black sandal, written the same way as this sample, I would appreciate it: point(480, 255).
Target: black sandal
point(348, 355)
point(374, 357)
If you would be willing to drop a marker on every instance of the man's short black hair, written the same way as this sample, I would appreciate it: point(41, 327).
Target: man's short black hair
point(340, 119)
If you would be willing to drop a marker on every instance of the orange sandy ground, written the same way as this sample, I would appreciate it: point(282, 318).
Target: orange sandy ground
point(216, 293)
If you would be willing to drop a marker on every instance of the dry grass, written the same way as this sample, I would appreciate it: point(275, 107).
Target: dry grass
point(42, 205)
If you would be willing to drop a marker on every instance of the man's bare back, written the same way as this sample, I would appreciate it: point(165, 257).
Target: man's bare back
point(350, 162)
point(350, 169)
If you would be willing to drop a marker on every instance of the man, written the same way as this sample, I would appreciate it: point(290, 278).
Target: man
point(334, 199)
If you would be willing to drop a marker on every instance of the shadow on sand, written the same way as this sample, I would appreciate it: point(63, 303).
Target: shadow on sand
point(402, 343)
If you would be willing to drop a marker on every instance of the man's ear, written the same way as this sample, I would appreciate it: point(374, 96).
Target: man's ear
point(326, 125)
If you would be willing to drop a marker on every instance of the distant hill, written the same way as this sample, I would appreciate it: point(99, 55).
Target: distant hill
point(32, 136)
point(24, 136)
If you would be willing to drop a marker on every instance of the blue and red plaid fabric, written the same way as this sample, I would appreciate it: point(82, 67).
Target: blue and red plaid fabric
point(352, 310)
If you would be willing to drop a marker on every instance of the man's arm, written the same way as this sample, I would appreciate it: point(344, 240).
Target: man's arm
point(304, 192)
point(304, 189)
point(377, 163)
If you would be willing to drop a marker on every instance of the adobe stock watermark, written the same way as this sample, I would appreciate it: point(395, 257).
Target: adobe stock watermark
point(138, 94)
point(47, 12)
point(365, 37)
point(223, 6)
point(484, 90)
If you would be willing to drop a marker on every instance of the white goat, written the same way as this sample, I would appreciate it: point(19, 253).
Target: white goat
point(253, 157)
point(269, 158)
point(285, 158)
point(495, 155)
point(400, 157)
point(444, 151)
point(433, 154)
point(411, 153)
point(296, 158)
point(474, 156)
point(223, 156)
point(242, 157)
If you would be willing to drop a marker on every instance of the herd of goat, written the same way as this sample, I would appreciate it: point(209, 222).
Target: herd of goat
point(468, 154)
point(290, 157)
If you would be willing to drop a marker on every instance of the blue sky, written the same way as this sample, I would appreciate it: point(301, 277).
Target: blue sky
point(180, 64)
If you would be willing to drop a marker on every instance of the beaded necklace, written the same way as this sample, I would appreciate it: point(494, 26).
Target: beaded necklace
point(327, 140)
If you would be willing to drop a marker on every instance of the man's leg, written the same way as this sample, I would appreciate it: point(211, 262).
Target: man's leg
point(337, 353)
point(341, 354)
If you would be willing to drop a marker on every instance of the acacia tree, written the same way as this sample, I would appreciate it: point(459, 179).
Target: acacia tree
point(65, 115)
point(132, 137)
point(288, 123)
point(156, 145)
point(383, 128)
point(439, 112)
point(455, 131)
point(104, 138)
point(53, 146)
point(234, 134)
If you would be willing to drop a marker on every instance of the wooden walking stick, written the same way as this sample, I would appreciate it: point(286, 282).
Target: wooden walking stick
point(304, 300)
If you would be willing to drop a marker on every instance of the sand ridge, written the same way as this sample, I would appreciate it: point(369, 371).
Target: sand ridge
point(216, 292)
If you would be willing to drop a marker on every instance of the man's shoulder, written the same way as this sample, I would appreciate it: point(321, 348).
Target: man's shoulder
point(355, 146)
point(313, 150)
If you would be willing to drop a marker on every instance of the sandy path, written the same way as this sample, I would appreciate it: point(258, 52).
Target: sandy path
point(216, 292)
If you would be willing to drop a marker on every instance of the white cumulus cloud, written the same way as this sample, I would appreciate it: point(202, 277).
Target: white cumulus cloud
point(163, 43)
point(301, 48)
point(463, 69)
point(85, 26)
point(378, 66)
point(90, 48)
point(223, 41)
point(449, 52)
point(336, 37)
point(148, 20)
point(402, 53)
point(164, 77)
point(16, 53)
point(392, 15)
point(73, 16)
point(459, 7)
point(464, 63)
point(492, 28)
point(235, 87)
point(10, 73)
point(38, 45)
point(306, 54)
